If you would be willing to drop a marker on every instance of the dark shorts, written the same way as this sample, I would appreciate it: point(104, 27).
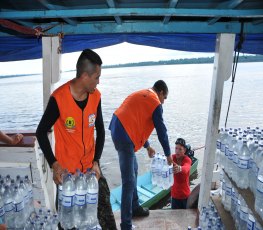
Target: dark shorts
point(105, 214)
point(178, 203)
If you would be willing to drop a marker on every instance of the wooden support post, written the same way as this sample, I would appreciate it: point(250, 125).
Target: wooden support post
point(51, 65)
point(51, 75)
point(222, 71)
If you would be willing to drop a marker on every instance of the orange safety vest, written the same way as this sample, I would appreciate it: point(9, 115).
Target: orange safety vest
point(135, 115)
point(74, 130)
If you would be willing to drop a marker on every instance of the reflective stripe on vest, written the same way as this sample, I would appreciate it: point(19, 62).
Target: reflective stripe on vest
point(74, 130)
point(135, 114)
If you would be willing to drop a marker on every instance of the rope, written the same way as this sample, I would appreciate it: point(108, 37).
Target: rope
point(199, 148)
point(234, 68)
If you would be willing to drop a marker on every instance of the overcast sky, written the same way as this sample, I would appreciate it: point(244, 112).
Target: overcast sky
point(116, 54)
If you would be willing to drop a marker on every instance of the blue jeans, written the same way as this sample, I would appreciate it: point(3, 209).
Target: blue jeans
point(178, 203)
point(129, 172)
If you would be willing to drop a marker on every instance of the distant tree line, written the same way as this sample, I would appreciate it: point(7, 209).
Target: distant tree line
point(201, 60)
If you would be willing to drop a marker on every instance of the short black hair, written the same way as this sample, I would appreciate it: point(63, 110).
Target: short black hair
point(159, 86)
point(87, 62)
point(180, 141)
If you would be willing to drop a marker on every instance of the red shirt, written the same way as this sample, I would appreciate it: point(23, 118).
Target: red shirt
point(181, 186)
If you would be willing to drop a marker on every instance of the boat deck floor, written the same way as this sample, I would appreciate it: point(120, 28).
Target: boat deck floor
point(164, 220)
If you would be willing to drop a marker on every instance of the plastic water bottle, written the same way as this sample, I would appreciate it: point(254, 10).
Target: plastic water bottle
point(228, 193)
point(227, 145)
point(214, 218)
point(258, 135)
point(231, 148)
point(2, 210)
point(218, 148)
point(251, 222)
point(236, 150)
point(2, 187)
point(22, 188)
point(154, 170)
point(18, 179)
point(243, 215)
point(8, 180)
point(63, 176)
point(67, 208)
point(165, 175)
point(159, 170)
point(76, 174)
point(205, 220)
point(29, 189)
point(253, 170)
point(223, 191)
point(233, 203)
point(55, 222)
point(9, 208)
point(223, 145)
point(202, 215)
point(48, 225)
point(258, 158)
point(237, 220)
point(243, 170)
point(29, 225)
point(259, 193)
point(92, 202)
point(19, 209)
point(12, 186)
point(80, 201)
point(171, 175)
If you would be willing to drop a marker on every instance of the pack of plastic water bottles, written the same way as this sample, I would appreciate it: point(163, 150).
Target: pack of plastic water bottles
point(78, 201)
point(42, 219)
point(161, 172)
point(236, 205)
point(240, 153)
point(209, 218)
point(16, 201)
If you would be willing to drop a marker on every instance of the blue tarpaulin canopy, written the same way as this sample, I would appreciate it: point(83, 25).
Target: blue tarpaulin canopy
point(31, 48)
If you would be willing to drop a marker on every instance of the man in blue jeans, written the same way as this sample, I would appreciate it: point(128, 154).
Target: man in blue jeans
point(131, 126)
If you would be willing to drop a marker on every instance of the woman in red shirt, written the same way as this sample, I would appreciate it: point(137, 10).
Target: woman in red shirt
point(182, 164)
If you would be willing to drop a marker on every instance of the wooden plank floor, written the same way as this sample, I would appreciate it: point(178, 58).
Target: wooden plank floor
point(164, 220)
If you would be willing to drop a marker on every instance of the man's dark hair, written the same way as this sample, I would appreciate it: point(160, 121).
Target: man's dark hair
point(87, 62)
point(159, 86)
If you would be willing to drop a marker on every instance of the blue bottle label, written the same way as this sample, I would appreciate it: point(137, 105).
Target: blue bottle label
point(164, 174)
point(92, 198)
point(2, 211)
point(9, 207)
point(19, 206)
point(260, 185)
point(67, 201)
point(243, 163)
point(80, 199)
point(218, 144)
point(223, 146)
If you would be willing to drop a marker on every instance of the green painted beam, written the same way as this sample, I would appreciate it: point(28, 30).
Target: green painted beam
point(112, 12)
point(154, 27)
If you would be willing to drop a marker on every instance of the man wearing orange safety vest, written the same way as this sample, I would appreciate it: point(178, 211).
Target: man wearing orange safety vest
point(131, 126)
point(74, 109)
